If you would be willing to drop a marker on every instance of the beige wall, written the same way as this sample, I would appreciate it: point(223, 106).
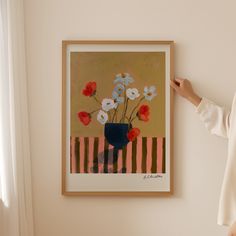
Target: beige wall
point(205, 33)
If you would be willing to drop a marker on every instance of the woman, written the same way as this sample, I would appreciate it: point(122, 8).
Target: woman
point(221, 122)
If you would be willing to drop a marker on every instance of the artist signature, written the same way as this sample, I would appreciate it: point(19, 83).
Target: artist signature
point(152, 176)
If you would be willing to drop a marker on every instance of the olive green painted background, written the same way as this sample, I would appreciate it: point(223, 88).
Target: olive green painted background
point(147, 68)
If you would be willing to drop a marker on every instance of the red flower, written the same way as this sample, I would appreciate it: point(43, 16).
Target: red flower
point(90, 89)
point(84, 117)
point(133, 133)
point(143, 113)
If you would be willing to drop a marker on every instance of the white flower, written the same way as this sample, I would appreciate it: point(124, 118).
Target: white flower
point(102, 117)
point(150, 92)
point(108, 104)
point(132, 93)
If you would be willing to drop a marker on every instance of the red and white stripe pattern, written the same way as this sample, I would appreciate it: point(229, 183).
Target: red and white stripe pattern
point(95, 155)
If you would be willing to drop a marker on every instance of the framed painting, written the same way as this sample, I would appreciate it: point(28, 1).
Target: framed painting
point(117, 117)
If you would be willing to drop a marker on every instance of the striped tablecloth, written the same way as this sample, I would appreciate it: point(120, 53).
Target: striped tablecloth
point(95, 155)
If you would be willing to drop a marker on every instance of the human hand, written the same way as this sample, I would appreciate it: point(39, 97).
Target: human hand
point(232, 229)
point(184, 88)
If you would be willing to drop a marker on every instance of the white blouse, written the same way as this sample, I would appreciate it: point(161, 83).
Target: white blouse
point(222, 122)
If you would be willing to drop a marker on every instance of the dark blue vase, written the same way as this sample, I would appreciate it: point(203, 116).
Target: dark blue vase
point(116, 134)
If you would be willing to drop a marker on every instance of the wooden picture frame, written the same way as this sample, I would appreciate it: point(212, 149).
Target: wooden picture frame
point(84, 56)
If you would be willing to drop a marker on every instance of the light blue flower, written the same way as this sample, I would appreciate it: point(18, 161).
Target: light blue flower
point(149, 93)
point(117, 97)
point(120, 100)
point(119, 88)
point(124, 78)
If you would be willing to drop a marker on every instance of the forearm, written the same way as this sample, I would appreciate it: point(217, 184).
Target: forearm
point(194, 99)
point(216, 118)
point(184, 88)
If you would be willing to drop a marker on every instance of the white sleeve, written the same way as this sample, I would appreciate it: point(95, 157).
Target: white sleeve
point(215, 118)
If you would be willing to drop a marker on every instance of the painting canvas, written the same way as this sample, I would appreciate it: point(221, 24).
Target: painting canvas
point(116, 117)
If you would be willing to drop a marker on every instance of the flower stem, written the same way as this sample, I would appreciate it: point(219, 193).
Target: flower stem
point(96, 99)
point(94, 111)
point(116, 117)
point(109, 115)
point(125, 109)
point(125, 98)
point(114, 114)
point(132, 120)
point(132, 112)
